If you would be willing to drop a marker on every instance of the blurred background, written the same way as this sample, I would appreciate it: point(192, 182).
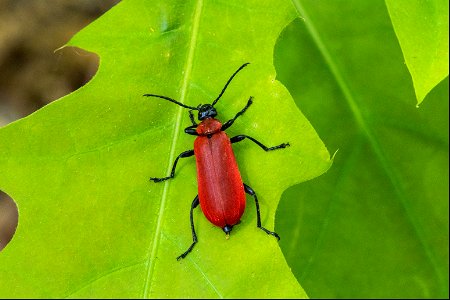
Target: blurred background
point(32, 74)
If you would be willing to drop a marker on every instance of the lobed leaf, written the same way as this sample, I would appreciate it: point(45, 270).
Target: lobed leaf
point(90, 222)
point(422, 30)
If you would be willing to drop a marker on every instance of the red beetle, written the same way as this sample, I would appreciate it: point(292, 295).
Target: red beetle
point(221, 192)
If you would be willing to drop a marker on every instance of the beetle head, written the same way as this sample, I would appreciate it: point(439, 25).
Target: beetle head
point(206, 111)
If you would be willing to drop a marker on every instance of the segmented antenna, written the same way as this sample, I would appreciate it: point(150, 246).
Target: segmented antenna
point(171, 100)
point(228, 82)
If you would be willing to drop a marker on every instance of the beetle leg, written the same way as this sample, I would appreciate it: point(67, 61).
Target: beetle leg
point(252, 193)
point(191, 116)
point(194, 235)
point(230, 122)
point(172, 174)
point(191, 130)
point(239, 138)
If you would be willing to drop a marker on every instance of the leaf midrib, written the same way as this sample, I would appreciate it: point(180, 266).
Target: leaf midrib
point(393, 178)
point(154, 244)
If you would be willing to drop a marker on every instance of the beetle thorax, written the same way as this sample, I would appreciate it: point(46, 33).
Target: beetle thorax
point(209, 126)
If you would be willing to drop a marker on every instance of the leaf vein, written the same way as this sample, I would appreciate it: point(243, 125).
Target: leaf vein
point(108, 273)
point(154, 244)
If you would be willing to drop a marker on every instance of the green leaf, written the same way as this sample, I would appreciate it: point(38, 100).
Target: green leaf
point(90, 222)
point(376, 225)
point(422, 30)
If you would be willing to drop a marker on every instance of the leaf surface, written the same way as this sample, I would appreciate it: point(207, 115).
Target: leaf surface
point(422, 30)
point(376, 225)
point(90, 222)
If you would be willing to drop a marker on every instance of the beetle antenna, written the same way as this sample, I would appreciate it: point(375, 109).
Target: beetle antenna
point(171, 100)
point(228, 82)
